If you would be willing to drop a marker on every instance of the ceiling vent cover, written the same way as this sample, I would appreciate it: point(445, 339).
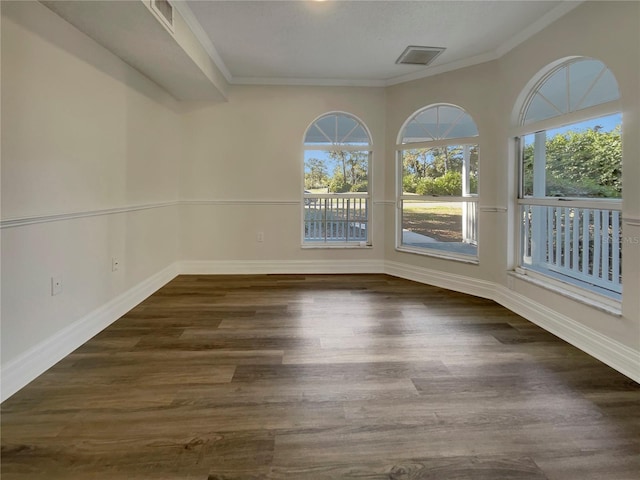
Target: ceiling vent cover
point(164, 11)
point(415, 55)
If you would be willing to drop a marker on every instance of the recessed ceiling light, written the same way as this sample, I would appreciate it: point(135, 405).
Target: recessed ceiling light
point(415, 55)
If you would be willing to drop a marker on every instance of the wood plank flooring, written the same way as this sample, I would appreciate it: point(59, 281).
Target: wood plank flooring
point(322, 377)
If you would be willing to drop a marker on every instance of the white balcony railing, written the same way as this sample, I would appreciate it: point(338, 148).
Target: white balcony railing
point(336, 219)
point(470, 222)
point(580, 244)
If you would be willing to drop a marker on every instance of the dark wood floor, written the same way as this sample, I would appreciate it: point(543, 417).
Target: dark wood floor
point(322, 377)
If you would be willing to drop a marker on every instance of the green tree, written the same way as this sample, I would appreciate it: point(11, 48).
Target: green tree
point(424, 167)
point(350, 174)
point(316, 175)
point(579, 164)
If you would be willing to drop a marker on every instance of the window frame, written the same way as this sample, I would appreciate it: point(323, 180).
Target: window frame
point(401, 197)
point(565, 284)
point(325, 197)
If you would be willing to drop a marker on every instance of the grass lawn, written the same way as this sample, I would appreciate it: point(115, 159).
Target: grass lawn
point(442, 222)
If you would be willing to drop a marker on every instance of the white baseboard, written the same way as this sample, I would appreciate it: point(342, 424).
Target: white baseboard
point(20, 371)
point(252, 267)
point(611, 352)
point(615, 354)
point(438, 278)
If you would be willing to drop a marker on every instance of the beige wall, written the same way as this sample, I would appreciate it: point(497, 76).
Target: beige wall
point(474, 90)
point(82, 133)
point(607, 31)
point(248, 152)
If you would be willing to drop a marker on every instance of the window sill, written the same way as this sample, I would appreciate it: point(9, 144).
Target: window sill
point(440, 254)
point(591, 299)
point(307, 246)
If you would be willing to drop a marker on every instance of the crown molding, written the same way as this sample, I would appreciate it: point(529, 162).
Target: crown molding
point(447, 67)
point(183, 8)
point(312, 82)
point(536, 27)
point(189, 17)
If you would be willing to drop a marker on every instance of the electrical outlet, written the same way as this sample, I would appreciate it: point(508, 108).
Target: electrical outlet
point(115, 264)
point(56, 285)
point(260, 237)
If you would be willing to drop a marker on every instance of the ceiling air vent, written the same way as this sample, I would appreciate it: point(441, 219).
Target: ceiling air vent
point(164, 11)
point(414, 55)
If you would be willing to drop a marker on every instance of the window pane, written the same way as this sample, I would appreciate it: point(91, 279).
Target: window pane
point(527, 165)
point(315, 136)
point(444, 226)
point(340, 171)
point(583, 76)
point(439, 171)
point(437, 123)
point(358, 136)
point(579, 160)
point(604, 90)
point(465, 127)
point(555, 90)
point(579, 245)
point(337, 129)
point(573, 86)
point(328, 126)
point(338, 220)
point(540, 109)
point(473, 170)
point(447, 117)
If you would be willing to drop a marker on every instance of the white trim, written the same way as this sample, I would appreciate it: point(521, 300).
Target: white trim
point(240, 202)
point(168, 24)
point(337, 195)
point(250, 267)
point(522, 36)
point(634, 221)
point(568, 290)
point(356, 245)
point(536, 27)
point(27, 366)
point(439, 198)
point(56, 217)
point(437, 253)
point(492, 208)
point(618, 356)
point(310, 82)
point(339, 147)
point(20, 371)
point(447, 67)
point(190, 19)
point(192, 22)
point(439, 278)
point(612, 107)
point(615, 354)
point(573, 202)
point(446, 142)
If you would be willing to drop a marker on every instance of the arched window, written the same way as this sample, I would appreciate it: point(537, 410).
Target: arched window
point(337, 155)
point(570, 195)
point(438, 183)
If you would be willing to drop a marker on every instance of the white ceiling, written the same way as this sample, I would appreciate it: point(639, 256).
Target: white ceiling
point(358, 42)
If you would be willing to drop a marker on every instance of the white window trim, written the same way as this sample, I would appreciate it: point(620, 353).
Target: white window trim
point(438, 143)
point(569, 290)
point(601, 110)
point(610, 304)
point(401, 197)
point(338, 147)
